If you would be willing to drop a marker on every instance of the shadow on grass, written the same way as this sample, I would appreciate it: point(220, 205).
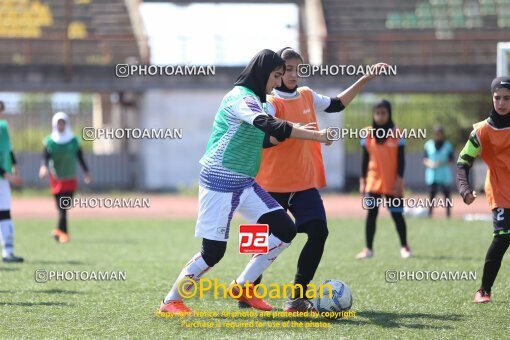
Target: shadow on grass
point(447, 258)
point(8, 269)
point(407, 320)
point(32, 304)
point(56, 291)
point(58, 262)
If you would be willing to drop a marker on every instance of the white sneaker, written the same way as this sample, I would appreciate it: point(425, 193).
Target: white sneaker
point(406, 252)
point(364, 254)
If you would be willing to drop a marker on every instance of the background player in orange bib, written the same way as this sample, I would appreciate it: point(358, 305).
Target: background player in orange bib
point(295, 187)
point(383, 175)
point(490, 140)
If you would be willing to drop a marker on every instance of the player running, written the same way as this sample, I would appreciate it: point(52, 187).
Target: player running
point(437, 159)
point(296, 187)
point(61, 151)
point(7, 176)
point(383, 175)
point(490, 140)
point(227, 180)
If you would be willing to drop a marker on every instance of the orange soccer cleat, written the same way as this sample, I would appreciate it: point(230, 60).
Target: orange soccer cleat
point(175, 307)
point(245, 293)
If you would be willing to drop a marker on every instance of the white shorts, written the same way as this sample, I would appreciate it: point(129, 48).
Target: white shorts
point(5, 194)
point(216, 209)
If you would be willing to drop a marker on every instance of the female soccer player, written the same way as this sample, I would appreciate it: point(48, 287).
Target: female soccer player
point(227, 180)
point(490, 140)
point(437, 158)
point(383, 175)
point(295, 187)
point(7, 176)
point(61, 151)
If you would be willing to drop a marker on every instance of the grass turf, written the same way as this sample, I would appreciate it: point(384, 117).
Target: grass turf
point(152, 253)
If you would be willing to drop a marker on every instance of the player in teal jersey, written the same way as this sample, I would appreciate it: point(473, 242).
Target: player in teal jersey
point(61, 151)
point(437, 159)
point(7, 176)
point(229, 166)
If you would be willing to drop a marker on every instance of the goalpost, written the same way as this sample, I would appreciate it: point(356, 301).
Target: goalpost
point(503, 59)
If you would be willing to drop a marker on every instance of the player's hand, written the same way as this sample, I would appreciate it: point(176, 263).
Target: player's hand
point(399, 187)
point(322, 137)
point(43, 171)
point(308, 126)
point(13, 179)
point(470, 197)
point(362, 186)
point(273, 140)
point(376, 68)
point(87, 178)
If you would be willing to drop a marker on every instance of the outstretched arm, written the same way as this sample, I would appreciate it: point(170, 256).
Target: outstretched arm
point(348, 95)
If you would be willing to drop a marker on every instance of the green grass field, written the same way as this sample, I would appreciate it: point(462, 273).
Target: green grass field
point(153, 252)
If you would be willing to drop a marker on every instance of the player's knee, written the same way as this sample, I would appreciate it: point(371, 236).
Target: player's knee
point(280, 225)
point(317, 231)
point(213, 251)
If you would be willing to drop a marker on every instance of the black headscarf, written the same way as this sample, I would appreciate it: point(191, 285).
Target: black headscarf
point(386, 127)
point(256, 74)
point(284, 88)
point(495, 119)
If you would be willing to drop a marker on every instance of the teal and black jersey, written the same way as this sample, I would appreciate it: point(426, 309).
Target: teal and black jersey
point(232, 158)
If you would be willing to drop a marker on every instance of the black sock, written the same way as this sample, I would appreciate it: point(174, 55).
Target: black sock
point(431, 197)
point(448, 208)
point(493, 260)
point(400, 223)
point(370, 227)
point(311, 253)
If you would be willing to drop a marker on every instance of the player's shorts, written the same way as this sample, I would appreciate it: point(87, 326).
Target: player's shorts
point(501, 221)
point(304, 205)
point(374, 201)
point(5, 195)
point(216, 209)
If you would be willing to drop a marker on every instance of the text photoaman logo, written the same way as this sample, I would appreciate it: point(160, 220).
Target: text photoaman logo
point(308, 70)
point(127, 70)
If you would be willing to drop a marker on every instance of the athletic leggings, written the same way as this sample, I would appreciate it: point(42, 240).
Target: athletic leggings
point(61, 204)
point(493, 260)
point(400, 224)
point(433, 190)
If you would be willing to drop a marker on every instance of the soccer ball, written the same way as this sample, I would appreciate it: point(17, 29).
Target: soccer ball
point(341, 299)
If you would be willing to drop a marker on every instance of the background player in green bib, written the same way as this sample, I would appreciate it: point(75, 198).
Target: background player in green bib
point(61, 151)
point(7, 176)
